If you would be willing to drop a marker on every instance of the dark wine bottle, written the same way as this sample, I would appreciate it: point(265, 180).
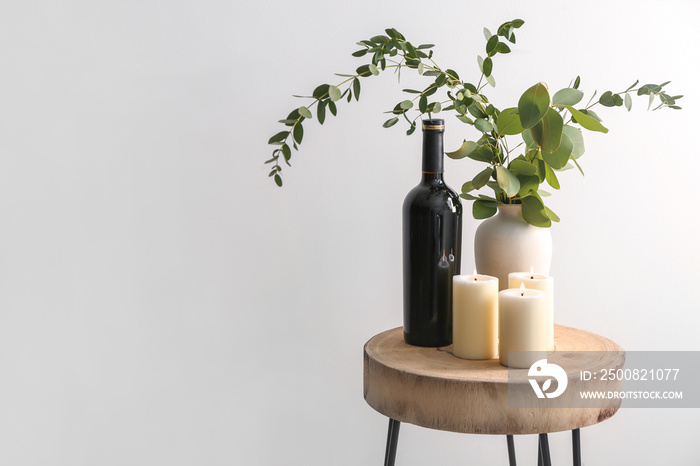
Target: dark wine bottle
point(432, 248)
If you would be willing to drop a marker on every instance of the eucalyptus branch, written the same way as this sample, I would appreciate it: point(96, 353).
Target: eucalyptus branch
point(549, 143)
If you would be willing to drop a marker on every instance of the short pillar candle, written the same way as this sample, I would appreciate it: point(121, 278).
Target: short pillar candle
point(522, 319)
point(538, 281)
point(475, 316)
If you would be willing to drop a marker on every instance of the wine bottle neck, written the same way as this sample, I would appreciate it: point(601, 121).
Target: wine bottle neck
point(432, 152)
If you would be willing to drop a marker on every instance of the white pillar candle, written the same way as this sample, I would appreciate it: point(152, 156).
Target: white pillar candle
point(522, 319)
point(475, 316)
point(538, 281)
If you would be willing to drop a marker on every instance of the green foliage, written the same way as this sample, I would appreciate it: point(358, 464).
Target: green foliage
point(550, 126)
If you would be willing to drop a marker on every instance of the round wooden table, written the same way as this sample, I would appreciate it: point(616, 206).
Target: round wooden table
point(430, 387)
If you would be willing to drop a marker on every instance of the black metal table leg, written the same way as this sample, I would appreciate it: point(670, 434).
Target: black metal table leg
point(576, 443)
point(511, 450)
point(543, 451)
point(392, 439)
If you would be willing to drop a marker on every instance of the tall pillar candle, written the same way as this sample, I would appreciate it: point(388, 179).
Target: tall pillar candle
point(522, 319)
point(542, 282)
point(475, 316)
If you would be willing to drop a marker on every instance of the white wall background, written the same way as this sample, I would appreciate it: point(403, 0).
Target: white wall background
point(162, 302)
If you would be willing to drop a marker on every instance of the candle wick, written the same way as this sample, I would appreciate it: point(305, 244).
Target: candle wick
point(522, 294)
point(532, 277)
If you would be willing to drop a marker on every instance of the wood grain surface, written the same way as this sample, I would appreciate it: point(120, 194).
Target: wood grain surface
point(431, 387)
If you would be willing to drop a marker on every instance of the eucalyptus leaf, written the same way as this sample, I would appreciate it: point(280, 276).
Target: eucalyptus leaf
point(452, 74)
point(465, 119)
point(298, 133)
point(491, 46)
point(541, 168)
point(520, 166)
point(488, 67)
point(483, 154)
point(305, 112)
point(391, 122)
point(528, 183)
point(508, 122)
point(502, 48)
point(467, 187)
point(567, 96)
point(530, 142)
point(423, 104)
point(606, 99)
point(493, 185)
point(537, 133)
point(552, 216)
point(533, 105)
point(468, 197)
point(476, 111)
point(559, 157)
point(591, 113)
point(576, 137)
point(481, 210)
point(334, 93)
point(279, 137)
point(534, 212)
point(467, 148)
point(321, 111)
point(508, 182)
point(552, 126)
point(488, 200)
point(482, 178)
point(483, 125)
point(551, 177)
point(286, 153)
point(321, 91)
point(566, 167)
point(587, 121)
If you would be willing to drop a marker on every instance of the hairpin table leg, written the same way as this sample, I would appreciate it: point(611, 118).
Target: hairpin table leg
point(576, 443)
point(511, 450)
point(543, 451)
point(392, 439)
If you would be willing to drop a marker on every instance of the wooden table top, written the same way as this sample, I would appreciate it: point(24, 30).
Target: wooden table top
point(431, 387)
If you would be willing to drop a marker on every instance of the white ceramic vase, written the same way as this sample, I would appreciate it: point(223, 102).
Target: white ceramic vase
point(506, 243)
